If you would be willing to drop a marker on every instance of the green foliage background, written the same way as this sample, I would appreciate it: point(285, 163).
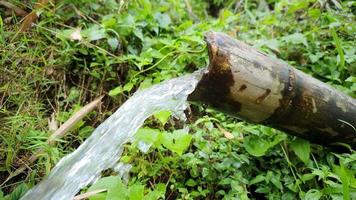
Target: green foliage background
point(128, 45)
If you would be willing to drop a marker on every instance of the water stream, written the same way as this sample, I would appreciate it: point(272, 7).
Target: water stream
point(103, 148)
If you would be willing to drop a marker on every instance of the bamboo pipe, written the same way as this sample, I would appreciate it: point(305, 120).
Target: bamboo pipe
point(248, 84)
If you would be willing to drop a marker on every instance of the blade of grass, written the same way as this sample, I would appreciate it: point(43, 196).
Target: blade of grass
point(80, 114)
point(339, 49)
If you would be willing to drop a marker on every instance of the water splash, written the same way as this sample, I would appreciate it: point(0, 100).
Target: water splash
point(104, 147)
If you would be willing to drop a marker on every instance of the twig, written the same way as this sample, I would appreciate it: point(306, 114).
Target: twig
point(57, 134)
point(237, 5)
point(190, 11)
point(13, 7)
point(88, 194)
point(74, 119)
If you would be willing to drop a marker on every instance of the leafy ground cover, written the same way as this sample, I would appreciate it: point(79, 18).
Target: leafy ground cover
point(79, 50)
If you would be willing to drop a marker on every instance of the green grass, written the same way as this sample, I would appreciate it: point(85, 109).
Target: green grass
point(126, 46)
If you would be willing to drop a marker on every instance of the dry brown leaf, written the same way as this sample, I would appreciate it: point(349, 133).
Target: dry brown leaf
point(18, 11)
point(29, 19)
point(226, 133)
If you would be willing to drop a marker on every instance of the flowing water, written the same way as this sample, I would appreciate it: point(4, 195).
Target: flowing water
point(103, 148)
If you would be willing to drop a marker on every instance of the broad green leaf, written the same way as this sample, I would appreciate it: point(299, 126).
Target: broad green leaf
point(117, 193)
point(116, 91)
point(191, 183)
point(66, 34)
point(314, 13)
point(257, 179)
point(301, 148)
point(109, 21)
point(113, 43)
point(315, 57)
point(298, 5)
point(307, 177)
point(138, 33)
point(163, 19)
point(136, 192)
point(86, 131)
point(94, 33)
point(255, 145)
point(146, 83)
point(147, 135)
point(128, 86)
point(296, 38)
point(178, 141)
point(105, 183)
point(163, 116)
point(116, 190)
point(313, 194)
point(277, 182)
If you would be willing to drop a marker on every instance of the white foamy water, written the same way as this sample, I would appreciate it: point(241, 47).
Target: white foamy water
point(103, 148)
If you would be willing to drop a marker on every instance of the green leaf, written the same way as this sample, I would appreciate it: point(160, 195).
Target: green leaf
point(163, 116)
point(86, 131)
point(256, 146)
point(257, 179)
point(113, 43)
point(296, 38)
point(106, 183)
point(116, 91)
point(128, 86)
point(276, 181)
point(339, 49)
point(94, 33)
point(148, 135)
point(117, 193)
point(178, 141)
point(163, 19)
point(138, 33)
point(307, 177)
point(191, 183)
point(314, 13)
point(298, 5)
point(136, 192)
point(66, 34)
point(18, 192)
point(347, 177)
point(302, 149)
point(157, 193)
point(313, 194)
